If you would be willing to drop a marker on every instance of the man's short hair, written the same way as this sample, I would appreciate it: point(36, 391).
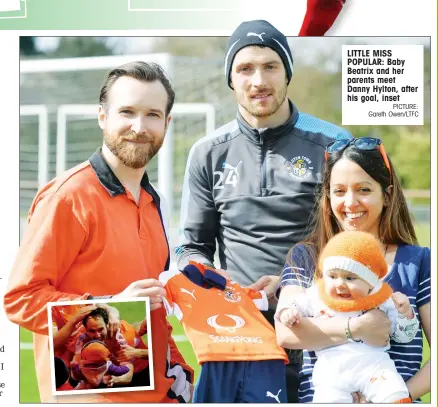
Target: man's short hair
point(98, 312)
point(142, 71)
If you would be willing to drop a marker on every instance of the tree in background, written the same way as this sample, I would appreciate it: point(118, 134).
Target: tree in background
point(69, 47)
point(28, 47)
point(73, 47)
point(197, 75)
point(205, 47)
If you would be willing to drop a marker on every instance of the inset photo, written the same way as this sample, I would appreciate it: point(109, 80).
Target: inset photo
point(99, 346)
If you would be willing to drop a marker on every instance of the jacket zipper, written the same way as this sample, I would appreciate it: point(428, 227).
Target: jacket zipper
point(263, 168)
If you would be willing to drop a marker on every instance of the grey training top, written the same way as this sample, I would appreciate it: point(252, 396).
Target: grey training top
point(252, 191)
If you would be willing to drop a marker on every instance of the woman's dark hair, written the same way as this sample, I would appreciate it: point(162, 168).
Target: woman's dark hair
point(396, 226)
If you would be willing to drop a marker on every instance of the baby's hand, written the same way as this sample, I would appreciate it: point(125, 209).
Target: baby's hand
point(290, 316)
point(403, 305)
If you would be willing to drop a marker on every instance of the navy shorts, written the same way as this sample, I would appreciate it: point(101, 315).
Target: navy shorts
point(242, 382)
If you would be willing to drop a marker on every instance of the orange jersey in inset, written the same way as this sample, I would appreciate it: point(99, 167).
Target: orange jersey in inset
point(222, 325)
point(60, 315)
point(126, 335)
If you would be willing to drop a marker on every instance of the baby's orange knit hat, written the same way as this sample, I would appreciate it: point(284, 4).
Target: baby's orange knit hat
point(358, 252)
point(95, 352)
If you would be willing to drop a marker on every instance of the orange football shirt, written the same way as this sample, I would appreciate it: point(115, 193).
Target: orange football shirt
point(222, 325)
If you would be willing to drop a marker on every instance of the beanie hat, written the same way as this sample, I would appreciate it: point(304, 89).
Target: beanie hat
point(95, 352)
point(258, 32)
point(357, 252)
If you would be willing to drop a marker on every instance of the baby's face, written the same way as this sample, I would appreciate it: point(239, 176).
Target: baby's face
point(344, 285)
point(93, 374)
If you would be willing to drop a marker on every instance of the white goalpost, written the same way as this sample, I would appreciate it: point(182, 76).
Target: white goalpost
point(30, 69)
point(165, 155)
point(41, 112)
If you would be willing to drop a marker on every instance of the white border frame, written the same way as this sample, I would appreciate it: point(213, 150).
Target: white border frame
point(16, 17)
point(108, 390)
point(355, 24)
point(181, 9)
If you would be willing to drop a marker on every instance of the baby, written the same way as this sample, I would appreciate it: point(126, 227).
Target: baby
point(351, 266)
point(95, 369)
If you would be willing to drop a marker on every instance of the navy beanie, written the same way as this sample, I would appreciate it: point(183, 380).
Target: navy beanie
point(258, 32)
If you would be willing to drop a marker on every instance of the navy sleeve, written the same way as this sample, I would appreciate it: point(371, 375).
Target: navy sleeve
point(423, 294)
point(298, 269)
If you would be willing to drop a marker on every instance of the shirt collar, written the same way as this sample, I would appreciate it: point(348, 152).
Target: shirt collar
point(110, 182)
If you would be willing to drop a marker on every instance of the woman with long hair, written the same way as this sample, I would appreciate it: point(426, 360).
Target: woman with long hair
point(361, 191)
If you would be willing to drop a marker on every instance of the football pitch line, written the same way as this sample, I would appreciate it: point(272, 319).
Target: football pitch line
point(29, 345)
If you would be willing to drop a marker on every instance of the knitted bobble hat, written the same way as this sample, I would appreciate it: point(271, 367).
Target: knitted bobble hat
point(357, 252)
point(95, 352)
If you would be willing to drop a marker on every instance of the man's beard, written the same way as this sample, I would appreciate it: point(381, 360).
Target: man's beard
point(254, 110)
point(130, 154)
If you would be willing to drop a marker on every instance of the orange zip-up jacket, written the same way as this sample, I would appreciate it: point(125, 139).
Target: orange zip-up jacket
point(87, 236)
